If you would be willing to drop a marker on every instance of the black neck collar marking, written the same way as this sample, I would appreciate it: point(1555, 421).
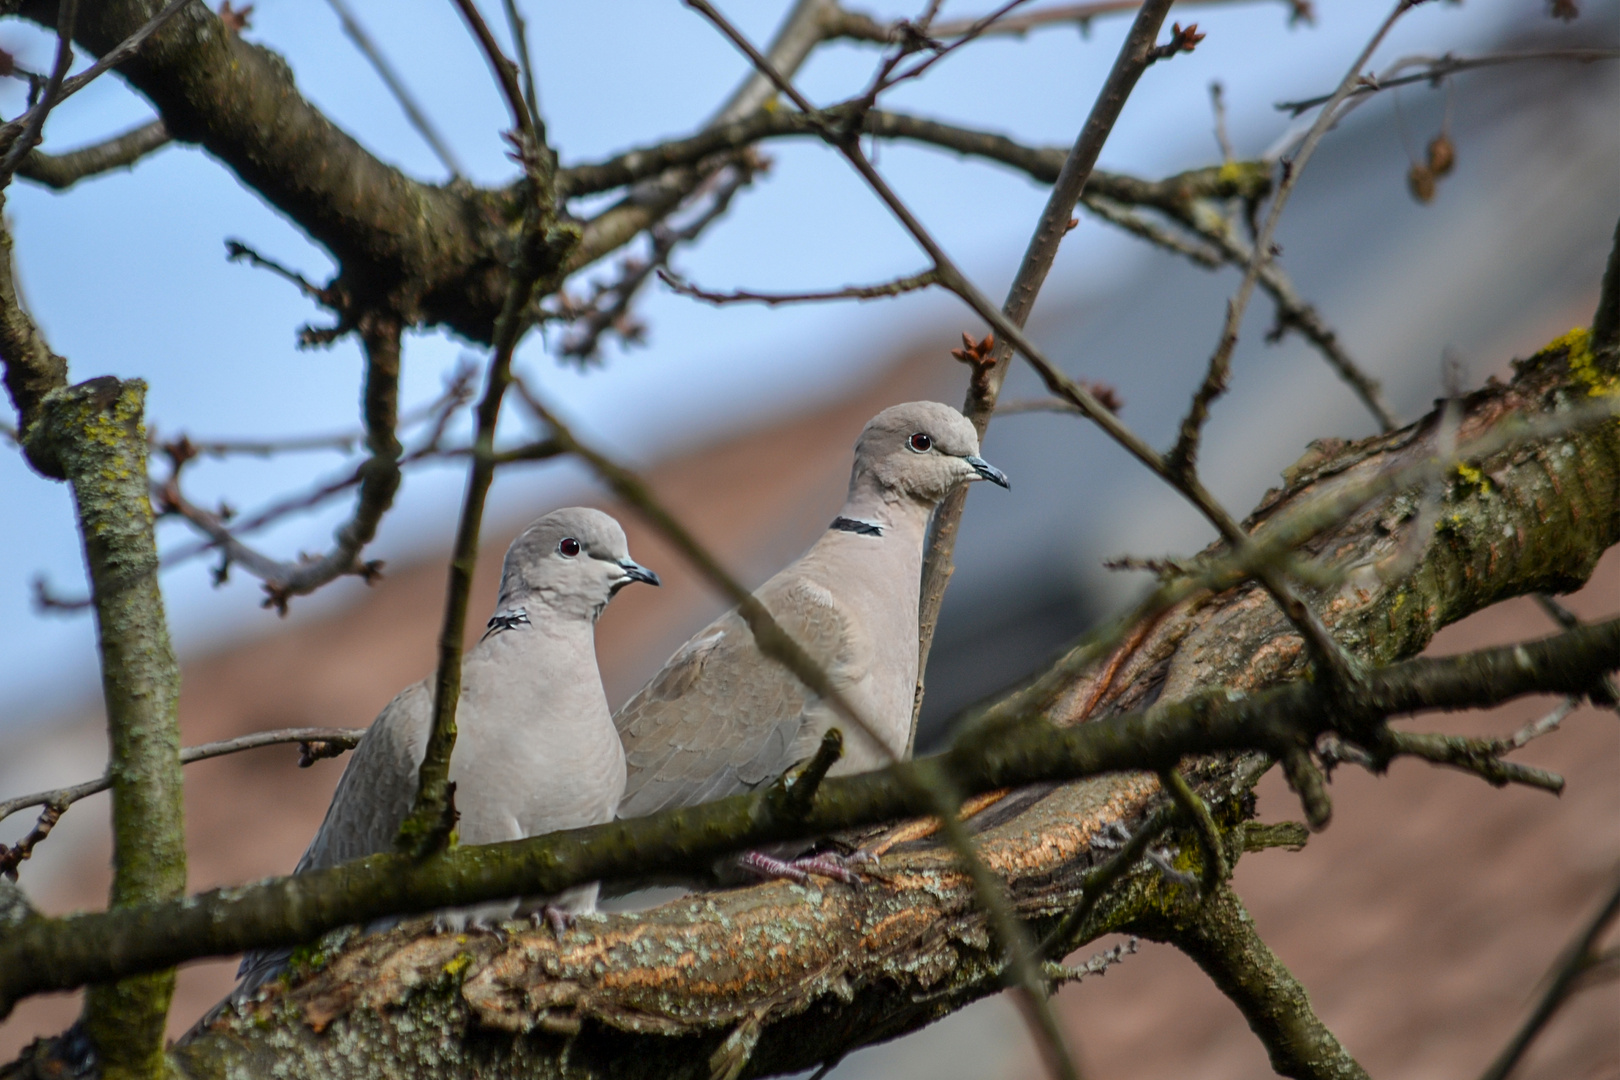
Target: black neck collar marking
point(505, 620)
point(856, 526)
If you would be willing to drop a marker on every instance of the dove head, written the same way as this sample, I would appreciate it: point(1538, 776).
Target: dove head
point(573, 560)
point(920, 451)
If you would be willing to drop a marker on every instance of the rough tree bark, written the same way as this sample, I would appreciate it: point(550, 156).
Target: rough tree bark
point(95, 433)
point(780, 977)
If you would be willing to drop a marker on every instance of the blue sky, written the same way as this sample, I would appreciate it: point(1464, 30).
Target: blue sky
point(127, 273)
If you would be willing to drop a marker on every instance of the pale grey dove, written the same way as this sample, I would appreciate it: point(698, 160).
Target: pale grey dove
point(721, 718)
point(535, 747)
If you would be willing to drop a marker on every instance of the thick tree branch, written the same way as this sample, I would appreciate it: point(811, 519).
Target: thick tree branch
point(66, 952)
point(1554, 499)
point(95, 431)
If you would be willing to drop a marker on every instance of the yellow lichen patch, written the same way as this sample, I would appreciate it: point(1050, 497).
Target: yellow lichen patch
point(1577, 348)
point(458, 966)
point(1473, 477)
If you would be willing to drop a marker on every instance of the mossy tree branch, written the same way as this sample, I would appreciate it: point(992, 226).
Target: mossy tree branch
point(1219, 935)
point(95, 431)
point(62, 953)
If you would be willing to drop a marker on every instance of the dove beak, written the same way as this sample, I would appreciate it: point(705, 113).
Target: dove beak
point(634, 571)
point(988, 471)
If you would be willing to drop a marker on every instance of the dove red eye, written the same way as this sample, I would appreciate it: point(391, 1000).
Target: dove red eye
point(568, 546)
point(921, 442)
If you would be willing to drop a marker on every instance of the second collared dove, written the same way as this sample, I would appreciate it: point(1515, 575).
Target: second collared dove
point(535, 748)
point(721, 718)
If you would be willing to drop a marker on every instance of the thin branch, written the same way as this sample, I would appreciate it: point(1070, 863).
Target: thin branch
point(317, 743)
point(396, 86)
point(608, 308)
point(1478, 756)
point(542, 250)
point(1606, 317)
point(13, 856)
point(341, 737)
point(378, 475)
point(1579, 957)
point(865, 28)
point(1183, 458)
point(1096, 965)
point(61, 953)
point(897, 287)
point(520, 39)
point(1215, 868)
point(237, 251)
point(1436, 68)
point(1152, 231)
point(62, 171)
point(1220, 936)
point(1217, 106)
point(29, 126)
point(31, 369)
point(526, 124)
point(123, 51)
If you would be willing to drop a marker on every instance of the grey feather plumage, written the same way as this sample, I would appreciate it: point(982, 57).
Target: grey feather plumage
point(721, 718)
point(535, 751)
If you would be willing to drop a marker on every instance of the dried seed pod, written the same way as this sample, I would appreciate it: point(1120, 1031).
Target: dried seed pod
point(1420, 181)
point(1442, 154)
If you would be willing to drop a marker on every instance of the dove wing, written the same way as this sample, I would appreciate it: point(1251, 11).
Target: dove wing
point(722, 718)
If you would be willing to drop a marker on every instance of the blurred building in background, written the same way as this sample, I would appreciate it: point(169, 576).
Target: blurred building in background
point(1420, 921)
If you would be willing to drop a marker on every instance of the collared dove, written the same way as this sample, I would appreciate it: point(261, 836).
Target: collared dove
point(535, 747)
point(721, 718)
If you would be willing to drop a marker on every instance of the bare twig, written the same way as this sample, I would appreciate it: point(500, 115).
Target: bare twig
point(124, 50)
point(336, 739)
point(1053, 225)
point(1217, 106)
point(28, 127)
point(315, 743)
point(527, 124)
point(863, 28)
point(1579, 957)
point(541, 250)
point(1436, 68)
point(608, 309)
point(13, 856)
point(520, 39)
point(898, 286)
point(1096, 965)
point(237, 251)
point(62, 171)
point(1479, 756)
point(396, 86)
point(1182, 460)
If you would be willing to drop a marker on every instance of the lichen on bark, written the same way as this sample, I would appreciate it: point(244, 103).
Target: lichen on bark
point(95, 432)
